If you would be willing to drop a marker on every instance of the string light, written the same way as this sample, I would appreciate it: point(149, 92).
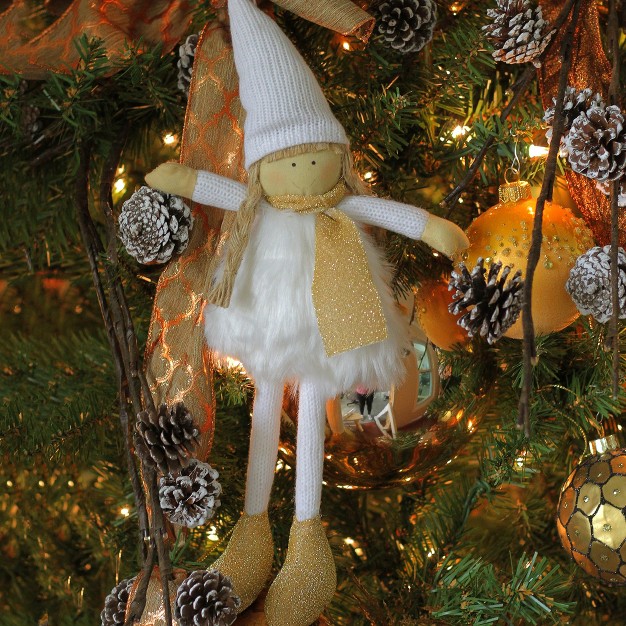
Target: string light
point(119, 185)
point(170, 139)
point(125, 511)
point(9, 483)
point(70, 483)
point(368, 175)
point(212, 534)
point(346, 45)
point(460, 131)
point(536, 152)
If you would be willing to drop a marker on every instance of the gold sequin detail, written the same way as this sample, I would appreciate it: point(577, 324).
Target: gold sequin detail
point(248, 557)
point(307, 581)
point(347, 305)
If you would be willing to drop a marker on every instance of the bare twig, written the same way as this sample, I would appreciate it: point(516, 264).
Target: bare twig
point(530, 349)
point(135, 610)
point(613, 337)
point(519, 89)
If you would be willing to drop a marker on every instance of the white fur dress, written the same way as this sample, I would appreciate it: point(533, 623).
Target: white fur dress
point(271, 324)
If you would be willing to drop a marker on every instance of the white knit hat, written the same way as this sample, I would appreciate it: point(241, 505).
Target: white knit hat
point(284, 104)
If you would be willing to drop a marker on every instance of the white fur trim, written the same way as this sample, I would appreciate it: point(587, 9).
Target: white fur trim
point(271, 325)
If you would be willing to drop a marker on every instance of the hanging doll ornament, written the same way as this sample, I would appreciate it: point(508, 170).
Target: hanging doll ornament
point(301, 297)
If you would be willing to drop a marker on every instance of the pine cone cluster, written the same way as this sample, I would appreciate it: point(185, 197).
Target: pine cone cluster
point(605, 188)
point(407, 25)
point(186, 56)
point(519, 33)
point(191, 497)
point(154, 226)
point(495, 306)
point(589, 283)
point(206, 598)
point(166, 438)
point(114, 612)
point(575, 102)
point(596, 143)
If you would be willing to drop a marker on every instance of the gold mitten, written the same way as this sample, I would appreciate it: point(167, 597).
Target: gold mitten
point(307, 581)
point(248, 557)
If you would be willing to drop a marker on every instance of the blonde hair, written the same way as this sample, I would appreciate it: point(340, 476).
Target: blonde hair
point(237, 243)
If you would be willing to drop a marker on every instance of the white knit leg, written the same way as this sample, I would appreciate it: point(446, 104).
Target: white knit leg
point(268, 400)
point(310, 452)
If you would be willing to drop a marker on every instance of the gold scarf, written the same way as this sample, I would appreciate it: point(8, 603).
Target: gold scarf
point(347, 304)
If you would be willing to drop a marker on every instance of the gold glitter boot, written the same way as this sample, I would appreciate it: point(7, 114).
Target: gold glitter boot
point(307, 581)
point(248, 557)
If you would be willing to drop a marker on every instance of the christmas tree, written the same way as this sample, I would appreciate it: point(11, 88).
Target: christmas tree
point(453, 503)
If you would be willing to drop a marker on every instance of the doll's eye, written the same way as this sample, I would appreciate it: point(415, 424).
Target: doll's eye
point(312, 162)
point(293, 165)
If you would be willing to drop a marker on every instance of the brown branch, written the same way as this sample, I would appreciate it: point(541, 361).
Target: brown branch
point(135, 611)
point(530, 349)
point(140, 498)
point(158, 536)
point(93, 247)
point(613, 336)
point(519, 89)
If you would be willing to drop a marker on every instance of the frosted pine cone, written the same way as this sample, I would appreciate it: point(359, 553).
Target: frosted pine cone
point(166, 439)
point(190, 498)
point(596, 143)
point(407, 25)
point(495, 306)
point(186, 56)
point(206, 598)
point(154, 226)
point(574, 103)
point(605, 188)
point(519, 33)
point(589, 283)
point(114, 611)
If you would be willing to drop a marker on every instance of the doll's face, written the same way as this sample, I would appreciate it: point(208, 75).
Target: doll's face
point(309, 174)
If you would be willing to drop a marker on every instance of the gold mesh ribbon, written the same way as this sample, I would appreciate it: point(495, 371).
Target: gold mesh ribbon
point(590, 68)
point(178, 364)
point(154, 613)
point(347, 305)
point(115, 22)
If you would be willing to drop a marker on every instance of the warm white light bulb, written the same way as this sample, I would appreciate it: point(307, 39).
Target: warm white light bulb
point(119, 185)
point(169, 139)
point(125, 511)
point(535, 152)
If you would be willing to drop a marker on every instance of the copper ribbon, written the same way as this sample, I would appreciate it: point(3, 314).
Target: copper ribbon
point(115, 22)
point(178, 364)
point(590, 68)
point(341, 268)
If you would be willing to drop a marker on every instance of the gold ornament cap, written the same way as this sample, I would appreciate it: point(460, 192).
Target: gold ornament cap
point(515, 191)
point(598, 446)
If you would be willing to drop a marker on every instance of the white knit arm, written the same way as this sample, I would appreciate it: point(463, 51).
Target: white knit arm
point(218, 191)
point(400, 218)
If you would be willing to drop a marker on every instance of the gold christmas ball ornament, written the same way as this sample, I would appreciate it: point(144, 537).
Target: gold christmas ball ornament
point(591, 518)
point(504, 233)
point(400, 440)
point(433, 316)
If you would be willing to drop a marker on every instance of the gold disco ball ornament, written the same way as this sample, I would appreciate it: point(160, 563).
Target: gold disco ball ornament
point(504, 233)
point(401, 442)
point(591, 517)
